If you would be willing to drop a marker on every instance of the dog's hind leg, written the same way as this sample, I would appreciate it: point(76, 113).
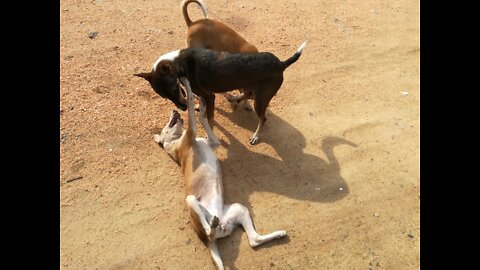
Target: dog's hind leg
point(238, 214)
point(212, 245)
point(260, 109)
point(262, 99)
point(209, 222)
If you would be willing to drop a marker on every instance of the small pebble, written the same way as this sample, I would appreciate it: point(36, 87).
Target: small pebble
point(376, 215)
point(92, 34)
point(410, 235)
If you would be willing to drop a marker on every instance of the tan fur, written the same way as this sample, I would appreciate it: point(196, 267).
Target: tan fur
point(212, 34)
point(210, 217)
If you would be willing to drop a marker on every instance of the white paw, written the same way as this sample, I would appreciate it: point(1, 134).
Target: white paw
point(254, 139)
point(157, 138)
point(281, 234)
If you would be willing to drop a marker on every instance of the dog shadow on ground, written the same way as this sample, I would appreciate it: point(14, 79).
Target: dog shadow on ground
point(292, 173)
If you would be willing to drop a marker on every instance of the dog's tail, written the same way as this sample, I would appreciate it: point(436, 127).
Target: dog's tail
point(295, 57)
point(185, 12)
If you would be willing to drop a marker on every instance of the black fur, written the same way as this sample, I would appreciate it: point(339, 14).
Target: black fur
point(258, 75)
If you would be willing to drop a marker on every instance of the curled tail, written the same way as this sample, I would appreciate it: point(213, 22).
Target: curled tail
point(185, 12)
point(295, 57)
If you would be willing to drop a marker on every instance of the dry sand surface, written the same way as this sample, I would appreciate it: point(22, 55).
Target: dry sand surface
point(337, 165)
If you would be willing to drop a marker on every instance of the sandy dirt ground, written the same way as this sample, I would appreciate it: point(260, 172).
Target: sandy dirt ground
point(337, 166)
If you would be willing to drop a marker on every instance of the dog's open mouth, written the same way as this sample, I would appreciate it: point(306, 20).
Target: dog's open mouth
point(175, 118)
point(181, 102)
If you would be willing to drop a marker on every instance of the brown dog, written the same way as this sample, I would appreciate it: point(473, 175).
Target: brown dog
point(209, 71)
point(215, 35)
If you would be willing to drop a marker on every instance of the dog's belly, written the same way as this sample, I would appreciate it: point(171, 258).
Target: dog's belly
point(206, 181)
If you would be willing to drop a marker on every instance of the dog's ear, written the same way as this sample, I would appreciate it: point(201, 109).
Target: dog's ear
point(146, 75)
point(166, 68)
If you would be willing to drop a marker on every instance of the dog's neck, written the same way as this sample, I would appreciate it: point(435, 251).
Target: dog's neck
point(173, 149)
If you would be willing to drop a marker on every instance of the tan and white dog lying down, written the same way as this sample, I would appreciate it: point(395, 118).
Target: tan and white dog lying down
point(210, 217)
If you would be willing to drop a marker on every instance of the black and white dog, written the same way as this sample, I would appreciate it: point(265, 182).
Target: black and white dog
point(259, 75)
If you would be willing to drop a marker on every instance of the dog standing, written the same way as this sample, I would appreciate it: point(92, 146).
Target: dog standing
point(215, 35)
point(210, 217)
point(259, 74)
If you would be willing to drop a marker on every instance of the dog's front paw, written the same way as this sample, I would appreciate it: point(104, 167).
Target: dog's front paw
point(157, 138)
point(281, 234)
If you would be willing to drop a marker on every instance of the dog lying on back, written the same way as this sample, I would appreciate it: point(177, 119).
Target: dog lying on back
point(210, 217)
point(259, 74)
